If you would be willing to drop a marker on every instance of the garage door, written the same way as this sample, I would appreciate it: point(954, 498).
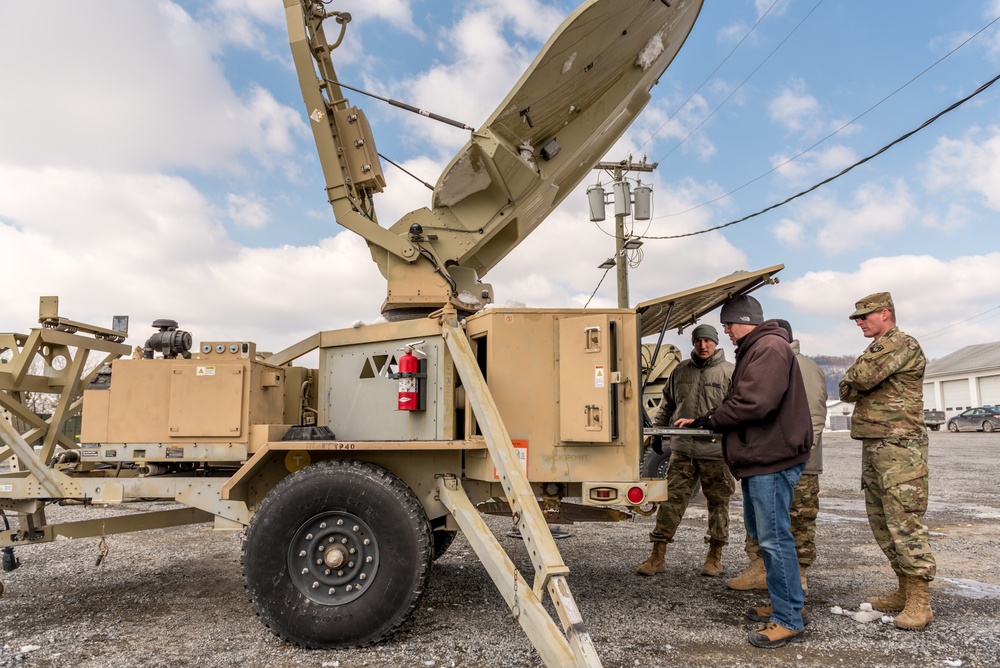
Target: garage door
point(930, 400)
point(989, 390)
point(956, 395)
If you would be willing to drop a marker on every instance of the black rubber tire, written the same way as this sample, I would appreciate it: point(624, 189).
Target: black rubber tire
point(383, 521)
point(442, 541)
point(987, 426)
point(654, 465)
point(935, 427)
point(952, 427)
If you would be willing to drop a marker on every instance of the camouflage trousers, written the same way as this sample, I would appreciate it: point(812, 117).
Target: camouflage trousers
point(717, 484)
point(805, 508)
point(894, 480)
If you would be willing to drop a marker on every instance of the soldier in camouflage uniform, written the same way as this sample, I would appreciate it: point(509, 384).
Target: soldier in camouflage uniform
point(805, 502)
point(886, 384)
point(696, 386)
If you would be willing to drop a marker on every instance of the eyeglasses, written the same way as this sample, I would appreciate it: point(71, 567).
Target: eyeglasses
point(726, 326)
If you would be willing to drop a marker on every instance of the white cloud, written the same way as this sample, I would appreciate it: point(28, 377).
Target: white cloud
point(815, 165)
point(481, 62)
point(937, 293)
point(656, 124)
point(970, 164)
point(773, 7)
point(789, 232)
point(952, 223)
point(248, 211)
point(398, 13)
point(794, 108)
point(148, 246)
point(874, 214)
point(102, 99)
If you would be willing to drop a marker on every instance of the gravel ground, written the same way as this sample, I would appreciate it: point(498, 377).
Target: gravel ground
point(175, 597)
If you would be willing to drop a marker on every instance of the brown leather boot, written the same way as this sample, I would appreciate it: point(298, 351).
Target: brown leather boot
point(894, 602)
point(655, 564)
point(713, 561)
point(774, 635)
point(753, 578)
point(917, 614)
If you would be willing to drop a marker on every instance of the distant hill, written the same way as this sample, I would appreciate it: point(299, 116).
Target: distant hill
point(834, 368)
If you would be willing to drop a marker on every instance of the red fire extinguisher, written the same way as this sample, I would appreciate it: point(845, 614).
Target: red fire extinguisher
point(408, 398)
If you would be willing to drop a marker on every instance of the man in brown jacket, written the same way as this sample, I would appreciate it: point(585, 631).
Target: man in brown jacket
point(805, 503)
point(767, 435)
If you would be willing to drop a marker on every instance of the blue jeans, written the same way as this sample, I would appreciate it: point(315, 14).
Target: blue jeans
point(767, 501)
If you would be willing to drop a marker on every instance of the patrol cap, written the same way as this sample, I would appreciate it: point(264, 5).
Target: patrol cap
point(742, 309)
point(705, 332)
point(871, 303)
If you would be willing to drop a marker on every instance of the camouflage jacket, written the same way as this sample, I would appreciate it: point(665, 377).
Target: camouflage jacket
point(886, 385)
point(693, 389)
point(815, 382)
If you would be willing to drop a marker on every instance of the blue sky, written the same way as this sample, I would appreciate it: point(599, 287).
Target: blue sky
point(155, 160)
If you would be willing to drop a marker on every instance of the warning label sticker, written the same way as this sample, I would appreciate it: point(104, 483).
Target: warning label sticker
point(598, 376)
point(205, 371)
point(521, 449)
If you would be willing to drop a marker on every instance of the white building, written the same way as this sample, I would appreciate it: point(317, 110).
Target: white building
point(967, 378)
point(838, 414)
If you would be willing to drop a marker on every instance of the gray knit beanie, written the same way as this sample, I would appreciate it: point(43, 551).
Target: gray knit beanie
point(742, 310)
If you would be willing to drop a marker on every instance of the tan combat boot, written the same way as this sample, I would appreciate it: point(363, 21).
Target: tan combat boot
point(713, 561)
point(802, 576)
point(655, 564)
point(917, 614)
point(753, 578)
point(893, 602)
point(774, 635)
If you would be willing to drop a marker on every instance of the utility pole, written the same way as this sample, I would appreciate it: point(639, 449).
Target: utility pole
point(622, 209)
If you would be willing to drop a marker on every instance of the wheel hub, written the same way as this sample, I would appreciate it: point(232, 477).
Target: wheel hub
point(333, 557)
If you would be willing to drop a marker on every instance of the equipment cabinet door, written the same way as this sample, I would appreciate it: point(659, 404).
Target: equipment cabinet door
point(586, 351)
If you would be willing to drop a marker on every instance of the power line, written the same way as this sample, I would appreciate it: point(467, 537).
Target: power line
point(835, 132)
point(742, 83)
point(939, 332)
point(709, 77)
point(885, 148)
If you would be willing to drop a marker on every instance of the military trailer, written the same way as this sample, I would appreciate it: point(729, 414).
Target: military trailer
point(350, 478)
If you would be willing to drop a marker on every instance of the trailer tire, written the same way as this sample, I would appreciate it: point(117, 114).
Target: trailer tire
point(338, 554)
point(655, 466)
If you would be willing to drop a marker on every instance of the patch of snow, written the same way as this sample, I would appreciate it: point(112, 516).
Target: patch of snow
point(569, 63)
point(650, 52)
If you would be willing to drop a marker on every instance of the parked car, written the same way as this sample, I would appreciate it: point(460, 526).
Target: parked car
point(978, 419)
